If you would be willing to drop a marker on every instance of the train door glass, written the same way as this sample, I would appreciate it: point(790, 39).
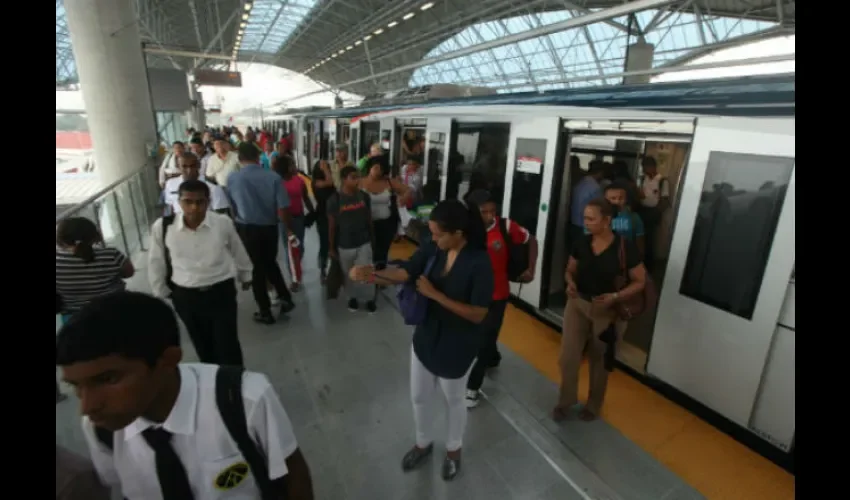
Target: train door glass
point(354, 144)
point(434, 172)
point(370, 133)
point(478, 158)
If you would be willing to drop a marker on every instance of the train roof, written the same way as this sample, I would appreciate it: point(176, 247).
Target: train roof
point(772, 95)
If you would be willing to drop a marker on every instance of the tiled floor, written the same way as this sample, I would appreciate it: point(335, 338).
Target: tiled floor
point(343, 378)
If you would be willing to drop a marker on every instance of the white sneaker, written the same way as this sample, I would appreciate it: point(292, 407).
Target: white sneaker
point(472, 398)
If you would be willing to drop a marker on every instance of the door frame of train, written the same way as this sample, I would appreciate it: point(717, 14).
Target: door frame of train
point(388, 124)
point(547, 129)
point(354, 143)
point(562, 153)
point(441, 125)
point(693, 337)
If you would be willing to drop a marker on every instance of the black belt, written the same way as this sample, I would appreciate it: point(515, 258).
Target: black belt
point(207, 288)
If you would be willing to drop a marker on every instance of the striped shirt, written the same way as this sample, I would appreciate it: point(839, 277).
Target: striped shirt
point(78, 282)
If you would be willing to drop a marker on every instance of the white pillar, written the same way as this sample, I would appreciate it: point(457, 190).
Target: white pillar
point(639, 58)
point(113, 79)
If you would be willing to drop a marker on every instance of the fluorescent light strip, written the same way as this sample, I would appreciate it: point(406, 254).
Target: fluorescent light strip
point(408, 16)
point(392, 24)
point(378, 31)
point(427, 6)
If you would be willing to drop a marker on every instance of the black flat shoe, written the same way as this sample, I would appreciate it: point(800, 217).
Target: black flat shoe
point(451, 468)
point(286, 306)
point(264, 318)
point(415, 457)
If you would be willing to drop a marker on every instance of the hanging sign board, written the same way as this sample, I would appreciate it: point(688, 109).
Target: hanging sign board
point(529, 164)
point(215, 78)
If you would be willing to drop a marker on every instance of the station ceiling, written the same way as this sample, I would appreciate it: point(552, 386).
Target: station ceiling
point(369, 46)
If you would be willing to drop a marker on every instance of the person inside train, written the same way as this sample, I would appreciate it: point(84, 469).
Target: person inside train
point(590, 318)
point(411, 176)
point(499, 250)
point(455, 275)
point(385, 193)
point(364, 163)
point(587, 189)
point(655, 200)
point(620, 174)
point(626, 223)
point(411, 145)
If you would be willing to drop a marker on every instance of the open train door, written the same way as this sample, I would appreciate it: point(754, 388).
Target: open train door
point(718, 334)
point(437, 133)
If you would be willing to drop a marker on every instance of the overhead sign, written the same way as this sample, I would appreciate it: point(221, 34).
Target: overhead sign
point(215, 78)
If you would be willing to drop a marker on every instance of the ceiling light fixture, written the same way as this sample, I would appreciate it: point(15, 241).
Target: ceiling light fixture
point(349, 47)
point(392, 24)
point(408, 16)
point(245, 16)
point(248, 5)
point(358, 42)
point(427, 6)
point(367, 38)
point(378, 31)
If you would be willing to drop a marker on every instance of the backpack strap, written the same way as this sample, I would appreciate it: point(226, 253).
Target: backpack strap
point(503, 228)
point(231, 407)
point(167, 221)
point(105, 437)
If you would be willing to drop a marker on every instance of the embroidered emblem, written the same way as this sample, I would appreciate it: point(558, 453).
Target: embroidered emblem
point(232, 476)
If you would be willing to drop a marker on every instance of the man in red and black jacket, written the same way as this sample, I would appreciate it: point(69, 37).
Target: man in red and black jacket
point(499, 250)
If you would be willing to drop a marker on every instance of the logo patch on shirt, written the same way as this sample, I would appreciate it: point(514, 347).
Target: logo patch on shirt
point(232, 476)
point(497, 245)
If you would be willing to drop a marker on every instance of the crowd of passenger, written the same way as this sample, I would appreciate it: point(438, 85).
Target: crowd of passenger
point(158, 427)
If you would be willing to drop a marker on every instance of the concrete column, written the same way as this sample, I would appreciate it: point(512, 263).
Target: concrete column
point(201, 113)
point(639, 57)
point(113, 79)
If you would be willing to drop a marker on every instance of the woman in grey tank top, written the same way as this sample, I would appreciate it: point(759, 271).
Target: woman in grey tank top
point(383, 191)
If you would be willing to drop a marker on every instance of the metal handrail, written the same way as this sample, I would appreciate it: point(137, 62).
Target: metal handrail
point(91, 199)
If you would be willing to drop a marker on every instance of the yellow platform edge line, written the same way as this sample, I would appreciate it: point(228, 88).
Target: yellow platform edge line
point(707, 459)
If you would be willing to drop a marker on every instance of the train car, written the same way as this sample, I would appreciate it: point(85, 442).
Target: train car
point(722, 337)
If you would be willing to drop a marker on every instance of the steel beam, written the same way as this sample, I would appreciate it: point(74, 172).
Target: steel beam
point(185, 53)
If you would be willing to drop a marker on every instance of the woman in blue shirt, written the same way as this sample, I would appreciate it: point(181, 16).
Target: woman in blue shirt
point(458, 282)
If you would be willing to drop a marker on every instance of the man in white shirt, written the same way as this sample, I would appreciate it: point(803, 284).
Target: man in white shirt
point(190, 172)
point(197, 147)
point(222, 163)
point(169, 167)
point(160, 429)
point(192, 260)
point(655, 199)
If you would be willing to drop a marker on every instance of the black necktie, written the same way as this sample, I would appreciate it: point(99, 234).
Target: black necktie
point(173, 480)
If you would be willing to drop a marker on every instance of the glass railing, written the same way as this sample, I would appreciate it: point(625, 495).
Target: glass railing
point(123, 211)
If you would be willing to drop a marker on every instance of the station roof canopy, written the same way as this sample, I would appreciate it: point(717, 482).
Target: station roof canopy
point(379, 45)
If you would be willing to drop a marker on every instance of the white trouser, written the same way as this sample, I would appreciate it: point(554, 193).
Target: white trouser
point(423, 387)
point(350, 257)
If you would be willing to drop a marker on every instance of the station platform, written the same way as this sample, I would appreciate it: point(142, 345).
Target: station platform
point(343, 379)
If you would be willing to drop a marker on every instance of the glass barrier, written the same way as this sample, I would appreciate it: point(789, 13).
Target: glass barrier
point(123, 211)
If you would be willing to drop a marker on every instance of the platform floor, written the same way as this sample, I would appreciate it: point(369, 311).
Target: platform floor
point(343, 379)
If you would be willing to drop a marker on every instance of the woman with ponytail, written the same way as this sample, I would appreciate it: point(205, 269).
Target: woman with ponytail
point(454, 273)
point(85, 269)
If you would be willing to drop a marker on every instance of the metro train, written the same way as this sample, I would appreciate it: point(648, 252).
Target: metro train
point(722, 338)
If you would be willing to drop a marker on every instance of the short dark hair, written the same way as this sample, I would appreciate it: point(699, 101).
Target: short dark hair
point(194, 186)
point(604, 207)
point(617, 185)
point(188, 155)
point(196, 140)
point(480, 197)
point(248, 152)
point(648, 161)
point(129, 324)
point(177, 143)
point(346, 171)
point(596, 166)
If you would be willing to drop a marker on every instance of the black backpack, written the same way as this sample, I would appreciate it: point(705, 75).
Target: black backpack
point(228, 397)
point(167, 221)
point(517, 254)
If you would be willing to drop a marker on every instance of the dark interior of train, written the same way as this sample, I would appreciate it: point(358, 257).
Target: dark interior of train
point(477, 158)
point(409, 142)
point(579, 149)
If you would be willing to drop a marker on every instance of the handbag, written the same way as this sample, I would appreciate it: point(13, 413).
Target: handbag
point(632, 307)
point(412, 304)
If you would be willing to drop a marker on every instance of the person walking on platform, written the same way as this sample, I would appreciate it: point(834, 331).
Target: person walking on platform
point(191, 260)
point(259, 201)
point(454, 274)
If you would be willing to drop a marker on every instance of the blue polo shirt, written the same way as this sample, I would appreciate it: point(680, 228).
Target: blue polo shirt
point(586, 190)
point(256, 195)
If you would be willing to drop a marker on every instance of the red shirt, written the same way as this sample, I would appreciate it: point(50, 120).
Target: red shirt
point(497, 248)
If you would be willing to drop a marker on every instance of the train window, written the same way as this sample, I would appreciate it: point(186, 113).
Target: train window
point(527, 182)
point(434, 173)
point(478, 159)
point(742, 197)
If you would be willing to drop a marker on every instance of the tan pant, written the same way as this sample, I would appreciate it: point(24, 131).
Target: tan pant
point(583, 323)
